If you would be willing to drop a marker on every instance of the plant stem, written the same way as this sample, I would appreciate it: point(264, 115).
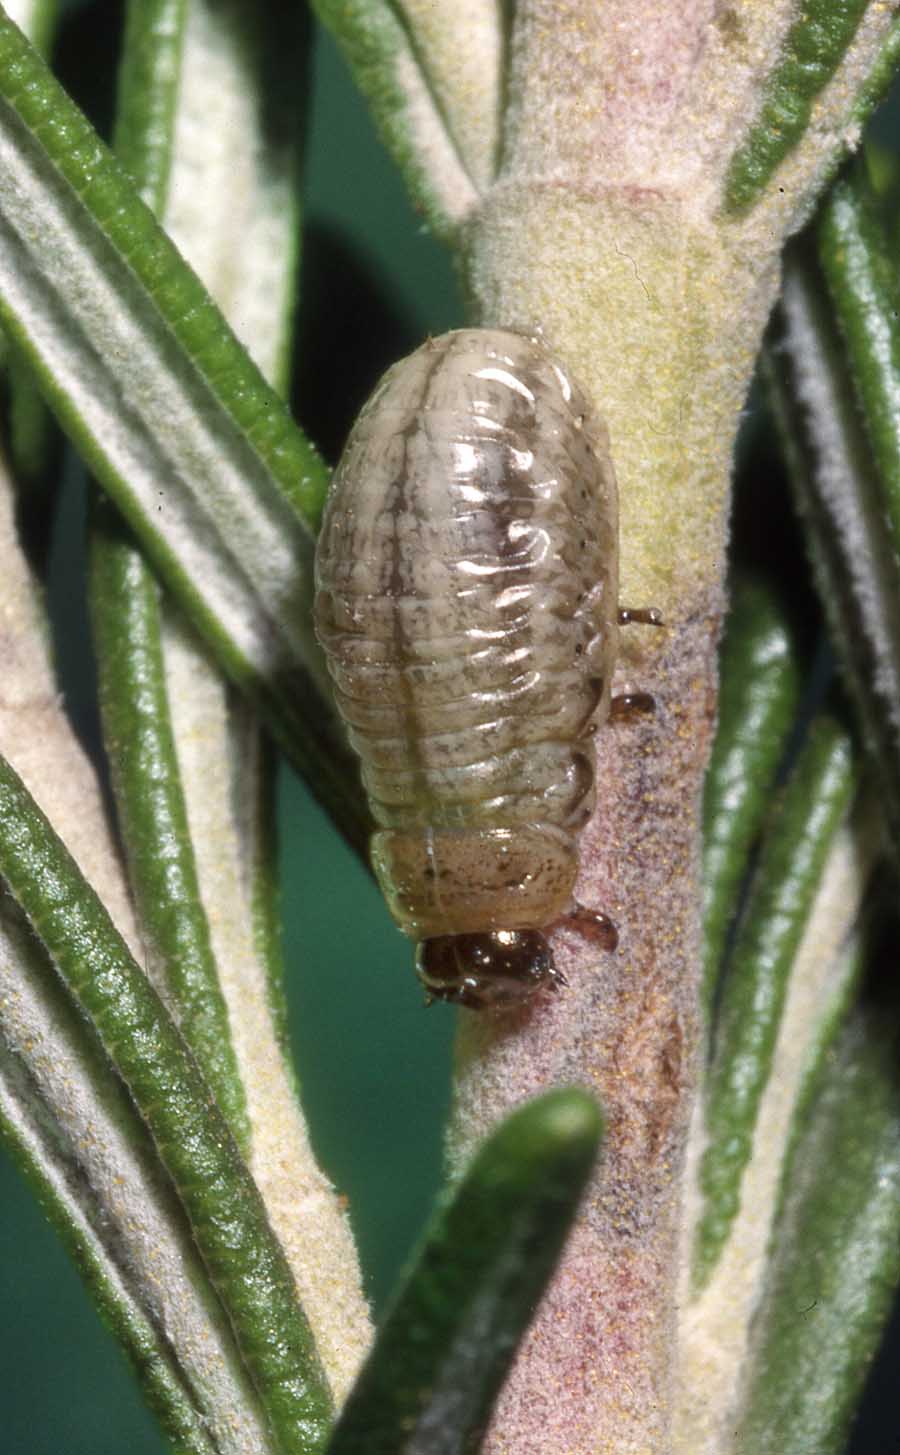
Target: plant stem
point(659, 318)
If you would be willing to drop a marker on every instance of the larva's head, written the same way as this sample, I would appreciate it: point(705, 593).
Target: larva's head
point(492, 970)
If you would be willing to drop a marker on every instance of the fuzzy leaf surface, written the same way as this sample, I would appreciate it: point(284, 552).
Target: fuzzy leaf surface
point(760, 679)
point(245, 1262)
point(168, 411)
point(836, 1255)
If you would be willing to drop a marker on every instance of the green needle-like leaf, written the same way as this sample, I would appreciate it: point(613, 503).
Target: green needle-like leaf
point(168, 411)
point(836, 1256)
point(37, 19)
point(842, 498)
point(34, 438)
point(813, 50)
point(149, 78)
point(265, 898)
point(158, 69)
point(244, 1260)
point(879, 79)
point(384, 53)
point(64, 1111)
point(760, 680)
point(860, 274)
point(152, 813)
point(452, 1330)
point(211, 117)
point(791, 862)
point(67, 1122)
point(35, 457)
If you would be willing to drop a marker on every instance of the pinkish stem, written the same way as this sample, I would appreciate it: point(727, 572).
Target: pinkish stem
point(595, 1370)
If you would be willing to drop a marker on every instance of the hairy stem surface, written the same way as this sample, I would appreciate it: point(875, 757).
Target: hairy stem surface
point(605, 230)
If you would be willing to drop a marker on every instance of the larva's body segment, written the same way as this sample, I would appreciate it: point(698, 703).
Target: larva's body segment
point(467, 602)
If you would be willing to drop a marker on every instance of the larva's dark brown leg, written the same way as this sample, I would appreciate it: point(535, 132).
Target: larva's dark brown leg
point(594, 925)
point(630, 704)
point(642, 615)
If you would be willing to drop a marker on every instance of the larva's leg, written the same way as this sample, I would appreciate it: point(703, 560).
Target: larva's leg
point(594, 925)
point(630, 704)
point(642, 615)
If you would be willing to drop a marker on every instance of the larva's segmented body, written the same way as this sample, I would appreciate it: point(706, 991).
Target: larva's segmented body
point(467, 601)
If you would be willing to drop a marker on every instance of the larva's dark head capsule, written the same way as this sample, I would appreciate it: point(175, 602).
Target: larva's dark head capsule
point(494, 970)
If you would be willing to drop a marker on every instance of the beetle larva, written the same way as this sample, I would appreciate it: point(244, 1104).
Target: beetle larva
point(466, 597)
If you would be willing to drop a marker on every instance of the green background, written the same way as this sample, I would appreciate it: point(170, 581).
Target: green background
point(374, 1066)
